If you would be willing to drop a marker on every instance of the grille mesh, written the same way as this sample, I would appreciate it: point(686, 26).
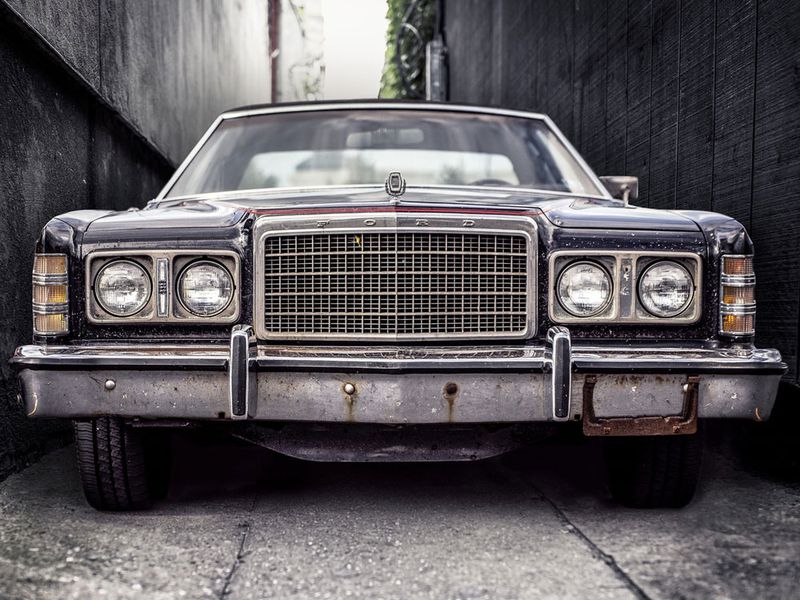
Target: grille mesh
point(395, 284)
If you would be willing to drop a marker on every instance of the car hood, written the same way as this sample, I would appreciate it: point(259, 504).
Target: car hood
point(225, 210)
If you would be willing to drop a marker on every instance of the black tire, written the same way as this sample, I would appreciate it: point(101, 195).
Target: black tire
point(121, 468)
point(654, 472)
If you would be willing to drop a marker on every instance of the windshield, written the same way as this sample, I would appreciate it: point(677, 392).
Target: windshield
point(354, 147)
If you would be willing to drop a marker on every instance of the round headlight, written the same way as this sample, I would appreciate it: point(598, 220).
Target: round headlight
point(205, 288)
point(122, 288)
point(584, 289)
point(665, 289)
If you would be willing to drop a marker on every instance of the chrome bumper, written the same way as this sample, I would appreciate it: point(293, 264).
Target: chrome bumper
point(394, 385)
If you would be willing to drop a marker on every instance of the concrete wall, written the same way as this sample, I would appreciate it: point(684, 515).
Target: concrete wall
point(98, 102)
point(698, 98)
point(300, 62)
point(170, 67)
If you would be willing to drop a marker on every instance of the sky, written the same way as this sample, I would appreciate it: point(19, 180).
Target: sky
point(355, 42)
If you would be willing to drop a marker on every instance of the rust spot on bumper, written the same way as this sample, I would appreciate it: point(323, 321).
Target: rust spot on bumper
point(450, 393)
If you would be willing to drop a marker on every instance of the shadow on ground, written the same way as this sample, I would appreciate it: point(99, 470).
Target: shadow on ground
point(206, 468)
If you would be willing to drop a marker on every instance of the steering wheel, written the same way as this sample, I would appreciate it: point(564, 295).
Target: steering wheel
point(490, 181)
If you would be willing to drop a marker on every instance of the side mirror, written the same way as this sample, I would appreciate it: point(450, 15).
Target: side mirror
point(622, 187)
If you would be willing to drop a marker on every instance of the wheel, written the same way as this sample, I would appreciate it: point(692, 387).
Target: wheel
point(121, 468)
point(654, 472)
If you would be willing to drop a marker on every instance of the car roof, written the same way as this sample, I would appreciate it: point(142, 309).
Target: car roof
point(367, 104)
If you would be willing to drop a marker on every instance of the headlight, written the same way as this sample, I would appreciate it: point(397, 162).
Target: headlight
point(584, 289)
point(666, 289)
point(205, 288)
point(122, 288)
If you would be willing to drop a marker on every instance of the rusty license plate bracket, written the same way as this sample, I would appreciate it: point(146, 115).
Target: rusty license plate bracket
point(685, 423)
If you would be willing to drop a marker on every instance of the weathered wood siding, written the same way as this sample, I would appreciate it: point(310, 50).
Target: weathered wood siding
point(698, 98)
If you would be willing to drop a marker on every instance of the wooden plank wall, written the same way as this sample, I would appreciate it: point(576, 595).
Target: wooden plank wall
point(698, 98)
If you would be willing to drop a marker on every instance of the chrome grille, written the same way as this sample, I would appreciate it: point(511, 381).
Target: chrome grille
point(395, 284)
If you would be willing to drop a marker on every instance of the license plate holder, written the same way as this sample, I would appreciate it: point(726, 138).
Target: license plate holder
point(682, 424)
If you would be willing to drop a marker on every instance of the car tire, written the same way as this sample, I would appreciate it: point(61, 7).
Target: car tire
point(655, 471)
point(121, 468)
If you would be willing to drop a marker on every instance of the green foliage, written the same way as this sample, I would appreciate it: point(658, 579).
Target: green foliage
point(391, 87)
point(423, 20)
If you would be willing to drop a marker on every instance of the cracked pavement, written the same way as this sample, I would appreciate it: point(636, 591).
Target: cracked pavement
point(241, 523)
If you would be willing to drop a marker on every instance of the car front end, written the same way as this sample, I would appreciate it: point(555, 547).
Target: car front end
point(405, 321)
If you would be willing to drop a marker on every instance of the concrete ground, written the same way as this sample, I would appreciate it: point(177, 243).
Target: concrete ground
point(244, 524)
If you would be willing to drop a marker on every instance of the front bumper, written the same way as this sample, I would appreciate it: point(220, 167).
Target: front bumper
point(394, 385)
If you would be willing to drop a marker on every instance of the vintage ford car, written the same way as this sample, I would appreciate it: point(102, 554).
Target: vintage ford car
point(389, 281)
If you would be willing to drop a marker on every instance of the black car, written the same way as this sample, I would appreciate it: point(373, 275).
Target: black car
point(390, 281)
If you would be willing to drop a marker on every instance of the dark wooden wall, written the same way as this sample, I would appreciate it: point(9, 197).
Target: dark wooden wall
point(698, 98)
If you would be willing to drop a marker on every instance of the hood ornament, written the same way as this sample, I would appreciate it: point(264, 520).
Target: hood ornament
point(395, 185)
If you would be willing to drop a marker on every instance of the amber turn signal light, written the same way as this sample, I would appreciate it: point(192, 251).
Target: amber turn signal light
point(737, 265)
point(50, 295)
point(50, 264)
point(55, 324)
point(739, 324)
point(737, 296)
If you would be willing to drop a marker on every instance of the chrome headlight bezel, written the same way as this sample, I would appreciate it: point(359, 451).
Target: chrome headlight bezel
point(147, 288)
point(163, 267)
point(625, 268)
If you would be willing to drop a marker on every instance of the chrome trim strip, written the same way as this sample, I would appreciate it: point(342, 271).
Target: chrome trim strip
point(428, 106)
point(738, 280)
point(422, 358)
point(391, 222)
point(50, 309)
point(314, 107)
point(162, 287)
point(487, 192)
point(50, 279)
point(737, 336)
point(737, 309)
point(621, 286)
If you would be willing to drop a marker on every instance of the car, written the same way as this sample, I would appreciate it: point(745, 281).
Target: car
point(381, 281)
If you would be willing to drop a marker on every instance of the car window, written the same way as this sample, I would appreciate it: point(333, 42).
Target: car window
point(353, 147)
point(346, 167)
